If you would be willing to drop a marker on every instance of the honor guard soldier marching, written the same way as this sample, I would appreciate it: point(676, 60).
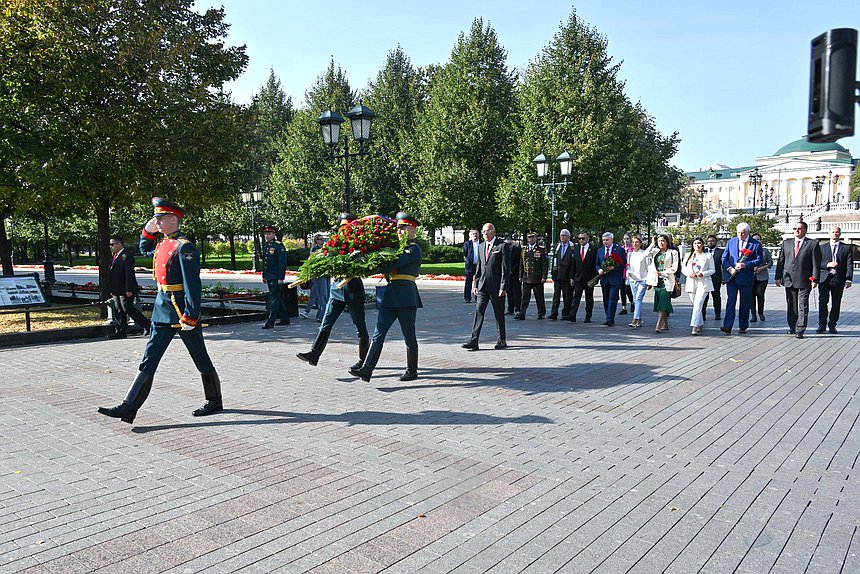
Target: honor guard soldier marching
point(274, 268)
point(176, 270)
point(533, 273)
point(349, 297)
point(401, 301)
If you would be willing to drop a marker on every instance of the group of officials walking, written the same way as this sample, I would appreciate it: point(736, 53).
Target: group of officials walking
point(627, 269)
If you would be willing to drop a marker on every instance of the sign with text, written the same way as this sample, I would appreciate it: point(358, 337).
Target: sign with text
point(21, 291)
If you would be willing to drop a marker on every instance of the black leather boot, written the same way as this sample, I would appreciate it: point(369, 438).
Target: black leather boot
point(212, 392)
point(134, 399)
point(363, 346)
point(364, 373)
point(411, 364)
point(313, 356)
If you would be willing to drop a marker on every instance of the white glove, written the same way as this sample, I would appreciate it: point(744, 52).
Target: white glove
point(187, 327)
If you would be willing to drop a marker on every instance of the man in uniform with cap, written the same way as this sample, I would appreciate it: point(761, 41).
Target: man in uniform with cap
point(401, 302)
point(350, 297)
point(533, 273)
point(274, 268)
point(176, 270)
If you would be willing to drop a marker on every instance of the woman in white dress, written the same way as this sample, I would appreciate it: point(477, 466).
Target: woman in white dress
point(698, 267)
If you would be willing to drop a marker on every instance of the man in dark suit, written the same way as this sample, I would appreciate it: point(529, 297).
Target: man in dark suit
point(562, 273)
point(470, 253)
point(835, 273)
point(490, 280)
point(797, 270)
point(716, 279)
point(123, 288)
point(740, 258)
point(584, 270)
point(612, 276)
point(533, 272)
point(515, 294)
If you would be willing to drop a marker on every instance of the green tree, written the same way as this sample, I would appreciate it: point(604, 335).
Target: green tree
point(465, 135)
point(105, 103)
point(271, 112)
point(854, 185)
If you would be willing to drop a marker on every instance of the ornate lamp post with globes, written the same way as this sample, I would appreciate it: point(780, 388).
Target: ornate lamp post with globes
point(755, 181)
point(253, 199)
point(565, 164)
point(360, 119)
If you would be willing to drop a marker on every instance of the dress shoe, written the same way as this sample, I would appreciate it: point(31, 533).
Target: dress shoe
point(468, 301)
point(791, 332)
point(470, 346)
point(761, 317)
point(283, 322)
point(587, 320)
point(501, 345)
point(360, 374)
point(742, 331)
point(310, 357)
point(117, 336)
point(540, 317)
point(726, 330)
point(833, 331)
point(509, 312)
point(553, 318)
point(623, 311)
point(565, 317)
point(718, 317)
point(518, 317)
point(753, 319)
point(798, 335)
point(820, 330)
point(267, 326)
point(209, 408)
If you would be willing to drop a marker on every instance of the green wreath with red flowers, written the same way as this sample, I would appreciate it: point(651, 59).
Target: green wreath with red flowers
point(356, 249)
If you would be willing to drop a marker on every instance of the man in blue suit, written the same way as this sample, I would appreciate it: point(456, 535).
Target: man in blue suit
point(740, 258)
point(611, 276)
point(470, 253)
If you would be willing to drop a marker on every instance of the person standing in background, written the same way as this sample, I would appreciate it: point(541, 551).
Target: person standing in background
point(470, 253)
point(836, 271)
point(762, 276)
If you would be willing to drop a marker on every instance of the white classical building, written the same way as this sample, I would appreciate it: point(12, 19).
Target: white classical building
point(800, 174)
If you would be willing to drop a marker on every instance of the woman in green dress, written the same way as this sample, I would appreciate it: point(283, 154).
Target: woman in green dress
point(661, 276)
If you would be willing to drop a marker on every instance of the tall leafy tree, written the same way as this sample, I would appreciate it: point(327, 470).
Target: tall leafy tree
point(308, 189)
point(389, 172)
point(466, 132)
point(107, 102)
point(572, 100)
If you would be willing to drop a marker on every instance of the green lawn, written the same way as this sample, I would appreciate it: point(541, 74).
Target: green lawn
point(244, 262)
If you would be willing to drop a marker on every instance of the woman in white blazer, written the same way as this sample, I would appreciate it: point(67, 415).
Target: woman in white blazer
point(638, 261)
point(698, 267)
point(661, 276)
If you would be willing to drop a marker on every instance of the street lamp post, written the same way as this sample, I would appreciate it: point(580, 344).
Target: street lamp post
point(50, 276)
point(702, 193)
point(360, 119)
point(542, 164)
point(817, 184)
point(829, 189)
point(755, 180)
point(253, 199)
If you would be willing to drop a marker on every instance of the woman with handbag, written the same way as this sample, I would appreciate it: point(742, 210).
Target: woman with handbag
point(698, 267)
point(661, 276)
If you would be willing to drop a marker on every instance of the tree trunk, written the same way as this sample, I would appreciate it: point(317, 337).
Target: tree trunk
point(431, 235)
point(103, 221)
point(232, 239)
point(5, 246)
point(202, 250)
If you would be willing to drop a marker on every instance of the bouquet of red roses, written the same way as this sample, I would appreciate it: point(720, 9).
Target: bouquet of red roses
point(356, 249)
point(609, 264)
point(744, 253)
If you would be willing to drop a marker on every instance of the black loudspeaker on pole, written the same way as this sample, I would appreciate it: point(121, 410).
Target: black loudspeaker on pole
point(833, 85)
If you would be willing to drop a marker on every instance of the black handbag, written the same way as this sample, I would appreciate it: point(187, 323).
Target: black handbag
point(676, 291)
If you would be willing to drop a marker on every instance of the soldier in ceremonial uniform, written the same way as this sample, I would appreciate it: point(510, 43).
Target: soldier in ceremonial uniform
point(401, 302)
point(274, 267)
point(350, 297)
point(533, 273)
point(176, 269)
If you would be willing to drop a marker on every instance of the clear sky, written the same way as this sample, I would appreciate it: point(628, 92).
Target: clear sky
point(730, 77)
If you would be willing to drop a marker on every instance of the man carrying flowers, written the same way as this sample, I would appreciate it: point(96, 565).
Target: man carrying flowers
point(740, 258)
point(401, 302)
point(611, 261)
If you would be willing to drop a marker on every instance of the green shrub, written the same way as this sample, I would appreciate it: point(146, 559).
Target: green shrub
point(443, 254)
point(296, 256)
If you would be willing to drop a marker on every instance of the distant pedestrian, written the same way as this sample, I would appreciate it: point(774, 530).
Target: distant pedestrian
point(274, 268)
point(835, 273)
point(626, 290)
point(515, 294)
point(762, 276)
point(123, 289)
point(319, 287)
point(470, 254)
point(562, 275)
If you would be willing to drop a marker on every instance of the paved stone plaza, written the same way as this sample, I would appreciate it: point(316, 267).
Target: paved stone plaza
point(580, 448)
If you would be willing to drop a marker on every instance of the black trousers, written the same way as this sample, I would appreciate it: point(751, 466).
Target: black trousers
point(124, 307)
point(537, 289)
point(797, 303)
point(561, 291)
point(626, 295)
point(483, 299)
point(829, 292)
point(514, 297)
point(277, 307)
point(578, 290)
point(757, 305)
point(467, 288)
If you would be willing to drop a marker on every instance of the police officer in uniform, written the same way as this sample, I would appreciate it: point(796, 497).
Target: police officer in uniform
point(350, 297)
point(533, 273)
point(274, 267)
point(176, 270)
point(401, 302)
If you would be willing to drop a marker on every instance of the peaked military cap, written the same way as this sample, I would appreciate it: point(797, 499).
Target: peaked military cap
point(404, 218)
point(270, 228)
point(345, 217)
point(164, 207)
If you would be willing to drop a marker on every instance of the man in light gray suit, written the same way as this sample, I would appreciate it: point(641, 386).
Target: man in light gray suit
point(797, 270)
